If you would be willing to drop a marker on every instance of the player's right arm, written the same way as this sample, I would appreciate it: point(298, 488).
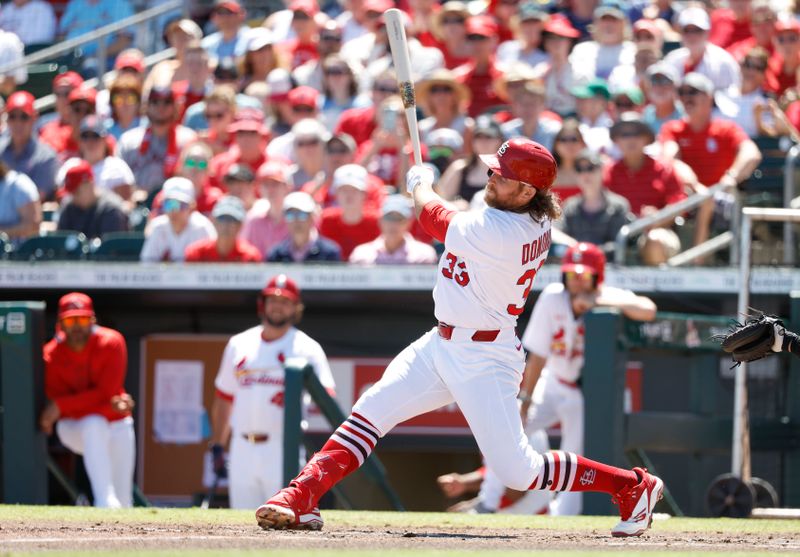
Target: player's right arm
point(533, 370)
point(431, 209)
point(225, 385)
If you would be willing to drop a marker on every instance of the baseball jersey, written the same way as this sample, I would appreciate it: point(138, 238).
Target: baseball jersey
point(555, 333)
point(488, 267)
point(251, 371)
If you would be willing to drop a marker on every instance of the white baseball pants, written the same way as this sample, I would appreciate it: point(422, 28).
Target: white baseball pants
point(481, 377)
point(109, 454)
point(255, 471)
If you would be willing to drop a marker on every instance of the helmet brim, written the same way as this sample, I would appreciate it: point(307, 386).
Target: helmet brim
point(495, 166)
point(579, 268)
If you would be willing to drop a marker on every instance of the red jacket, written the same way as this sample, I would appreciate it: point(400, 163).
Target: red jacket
point(82, 383)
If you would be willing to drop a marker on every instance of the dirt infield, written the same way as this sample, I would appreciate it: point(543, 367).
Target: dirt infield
point(105, 536)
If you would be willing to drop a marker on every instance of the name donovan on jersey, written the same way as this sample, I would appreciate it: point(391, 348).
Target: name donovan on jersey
point(532, 251)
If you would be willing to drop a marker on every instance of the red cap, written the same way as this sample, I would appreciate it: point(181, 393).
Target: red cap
point(231, 5)
point(303, 96)
point(647, 25)
point(129, 60)
point(281, 285)
point(584, 256)
point(789, 24)
point(248, 120)
point(21, 100)
point(377, 5)
point(70, 78)
point(309, 7)
point(524, 160)
point(274, 170)
point(77, 174)
point(75, 304)
point(561, 26)
point(482, 25)
point(88, 94)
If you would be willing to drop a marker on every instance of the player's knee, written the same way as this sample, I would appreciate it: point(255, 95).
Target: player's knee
point(517, 473)
point(94, 426)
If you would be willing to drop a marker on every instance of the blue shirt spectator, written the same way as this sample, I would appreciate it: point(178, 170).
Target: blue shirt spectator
point(233, 36)
point(33, 21)
point(320, 249)
point(83, 16)
point(20, 209)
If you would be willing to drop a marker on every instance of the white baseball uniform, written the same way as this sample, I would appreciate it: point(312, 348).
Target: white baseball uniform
point(485, 275)
point(252, 373)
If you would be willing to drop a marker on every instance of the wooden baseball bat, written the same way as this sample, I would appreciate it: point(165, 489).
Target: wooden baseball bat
point(402, 64)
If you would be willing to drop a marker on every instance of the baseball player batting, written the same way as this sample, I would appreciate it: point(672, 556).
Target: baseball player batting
point(473, 356)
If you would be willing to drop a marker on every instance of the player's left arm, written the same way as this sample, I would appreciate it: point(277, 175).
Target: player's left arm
point(633, 306)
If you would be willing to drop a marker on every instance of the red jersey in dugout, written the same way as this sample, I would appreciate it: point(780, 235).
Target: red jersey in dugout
point(82, 383)
point(709, 152)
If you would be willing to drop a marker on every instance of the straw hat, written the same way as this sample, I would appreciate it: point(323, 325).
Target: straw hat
point(517, 71)
point(441, 76)
point(451, 7)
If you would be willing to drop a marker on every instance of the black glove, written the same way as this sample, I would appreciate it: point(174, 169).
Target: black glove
point(218, 461)
point(757, 338)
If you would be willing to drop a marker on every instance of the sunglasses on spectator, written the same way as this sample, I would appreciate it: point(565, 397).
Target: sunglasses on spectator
point(303, 108)
point(585, 275)
point(394, 217)
point(301, 16)
point(476, 37)
point(81, 320)
point(689, 92)
point(62, 93)
point(691, 30)
point(174, 205)
point(585, 168)
point(16, 115)
point(120, 99)
point(624, 104)
point(331, 38)
point(441, 89)
point(629, 134)
point(337, 151)
point(199, 164)
point(440, 152)
point(373, 15)
point(308, 143)
point(224, 11)
point(227, 220)
point(660, 80)
point(293, 216)
point(643, 36)
point(161, 101)
point(453, 21)
point(569, 139)
point(214, 115)
point(389, 89)
point(90, 136)
point(336, 71)
point(751, 65)
point(81, 108)
point(787, 39)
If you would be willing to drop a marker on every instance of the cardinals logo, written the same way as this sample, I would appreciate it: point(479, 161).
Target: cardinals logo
point(558, 346)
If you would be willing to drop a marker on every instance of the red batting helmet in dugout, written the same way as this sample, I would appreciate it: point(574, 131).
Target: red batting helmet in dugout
point(584, 256)
point(279, 285)
point(524, 160)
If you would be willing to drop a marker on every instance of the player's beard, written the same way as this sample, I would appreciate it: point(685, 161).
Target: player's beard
point(278, 323)
point(509, 204)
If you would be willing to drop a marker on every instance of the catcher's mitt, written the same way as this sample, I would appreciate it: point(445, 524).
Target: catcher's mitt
point(757, 338)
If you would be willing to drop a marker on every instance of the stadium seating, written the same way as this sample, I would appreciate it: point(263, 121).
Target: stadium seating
point(117, 246)
point(62, 245)
point(5, 246)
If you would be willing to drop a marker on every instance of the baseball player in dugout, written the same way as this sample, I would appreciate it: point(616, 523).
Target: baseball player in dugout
point(473, 356)
point(248, 408)
point(85, 367)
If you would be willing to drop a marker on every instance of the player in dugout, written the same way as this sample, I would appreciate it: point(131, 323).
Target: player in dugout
point(85, 367)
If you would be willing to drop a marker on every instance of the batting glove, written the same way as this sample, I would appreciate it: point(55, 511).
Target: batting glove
point(418, 175)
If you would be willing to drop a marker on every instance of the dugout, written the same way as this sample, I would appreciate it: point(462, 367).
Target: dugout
point(683, 429)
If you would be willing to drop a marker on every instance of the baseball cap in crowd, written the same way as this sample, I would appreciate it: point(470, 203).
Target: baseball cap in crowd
point(280, 83)
point(698, 81)
point(299, 201)
point(259, 38)
point(273, 170)
point(178, 188)
point(344, 139)
point(524, 160)
point(229, 206)
point(310, 129)
point(610, 8)
point(303, 96)
point(67, 79)
point(631, 123)
point(590, 156)
point(308, 7)
point(487, 126)
point(445, 137)
point(397, 203)
point(248, 120)
point(130, 59)
point(22, 101)
point(160, 92)
point(239, 173)
point(379, 6)
point(350, 175)
point(695, 16)
point(75, 304)
point(87, 94)
point(93, 124)
point(226, 69)
point(648, 26)
point(188, 26)
point(560, 26)
point(531, 11)
point(230, 5)
point(281, 285)
point(77, 174)
point(663, 69)
point(628, 97)
point(787, 24)
point(594, 88)
point(482, 25)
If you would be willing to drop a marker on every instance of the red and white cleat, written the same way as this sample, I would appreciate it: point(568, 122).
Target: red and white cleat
point(283, 512)
point(636, 505)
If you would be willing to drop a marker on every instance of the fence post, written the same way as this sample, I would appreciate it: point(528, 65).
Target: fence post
point(295, 369)
point(791, 470)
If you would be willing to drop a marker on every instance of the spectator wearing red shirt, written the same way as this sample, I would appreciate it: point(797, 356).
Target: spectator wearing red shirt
point(360, 123)
point(303, 47)
point(64, 139)
point(716, 150)
point(250, 145)
point(228, 216)
point(783, 65)
point(350, 224)
point(732, 24)
point(85, 366)
point(53, 130)
point(762, 30)
point(481, 72)
point(449, 28)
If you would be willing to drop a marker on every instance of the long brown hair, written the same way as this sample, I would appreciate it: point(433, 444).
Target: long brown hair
point(544, 205)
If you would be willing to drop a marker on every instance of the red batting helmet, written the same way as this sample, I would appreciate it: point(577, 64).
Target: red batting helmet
point(279, 285)
point(584, 256)
point(524, 160)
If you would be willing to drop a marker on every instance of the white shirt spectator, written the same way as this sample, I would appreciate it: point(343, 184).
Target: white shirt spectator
point(596, 135)
point(33, 21)
point(717, 65)
point(12, 51)
point(413, 252)
point(162, 244)
point(732, 105)
point(591, 60)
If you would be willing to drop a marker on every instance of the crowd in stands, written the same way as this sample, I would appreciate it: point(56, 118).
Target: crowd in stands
point(284, 139)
